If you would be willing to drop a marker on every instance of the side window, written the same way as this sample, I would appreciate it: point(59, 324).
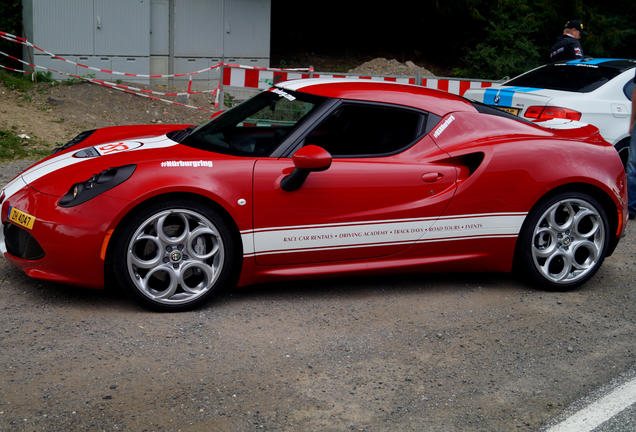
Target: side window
point(367, 130)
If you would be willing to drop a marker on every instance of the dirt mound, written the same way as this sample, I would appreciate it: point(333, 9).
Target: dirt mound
point(382, 66)
point(56, 113)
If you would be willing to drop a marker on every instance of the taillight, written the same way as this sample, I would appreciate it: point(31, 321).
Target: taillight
point(541, 113)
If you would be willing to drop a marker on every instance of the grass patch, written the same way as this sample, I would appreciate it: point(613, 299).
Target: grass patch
point(23, 83)
point(73, 81)
point(14, 147)
point(16, 82)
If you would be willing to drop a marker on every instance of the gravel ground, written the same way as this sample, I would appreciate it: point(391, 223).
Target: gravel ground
point(471, 352)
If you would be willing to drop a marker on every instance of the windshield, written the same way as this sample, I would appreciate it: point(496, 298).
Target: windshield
point(257, 126)
point(579, 77)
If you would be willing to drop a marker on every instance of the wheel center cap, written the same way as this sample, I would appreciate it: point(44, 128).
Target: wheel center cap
point(175, 256)
point(566, 241)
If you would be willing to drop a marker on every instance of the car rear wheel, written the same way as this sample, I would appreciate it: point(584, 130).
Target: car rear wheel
point(622, 147)
point(564, 241)
point(173, 255)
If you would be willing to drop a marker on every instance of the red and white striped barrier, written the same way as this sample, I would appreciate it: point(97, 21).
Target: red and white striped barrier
point(239, 76)
point(15, 70)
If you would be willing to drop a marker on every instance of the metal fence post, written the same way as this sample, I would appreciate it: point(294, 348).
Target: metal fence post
point(221, 94)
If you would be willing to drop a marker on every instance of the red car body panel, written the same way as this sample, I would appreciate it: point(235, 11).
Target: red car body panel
point(454, 200)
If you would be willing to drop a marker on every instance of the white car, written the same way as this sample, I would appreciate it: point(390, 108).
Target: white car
point(594, 91)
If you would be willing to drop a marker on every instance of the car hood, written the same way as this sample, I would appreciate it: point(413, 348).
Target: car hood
point(101, 149)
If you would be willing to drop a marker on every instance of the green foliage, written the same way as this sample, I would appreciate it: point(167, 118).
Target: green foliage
point(73, 81)
point(508, 47)
point(513, 36)
point(612, 31)
point(45, 77)
point(11, 22)
point(14, 147)
point(228, 100)
point(11, 16)
point(16, 81)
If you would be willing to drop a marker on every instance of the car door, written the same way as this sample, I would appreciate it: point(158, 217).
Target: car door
point(379, 195)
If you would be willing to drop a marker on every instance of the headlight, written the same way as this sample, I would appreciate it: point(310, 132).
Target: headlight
point(99, 183)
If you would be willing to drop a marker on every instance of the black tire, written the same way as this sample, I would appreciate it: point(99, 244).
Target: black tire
point(174, 255)
point(563, 241)
point(622, 147)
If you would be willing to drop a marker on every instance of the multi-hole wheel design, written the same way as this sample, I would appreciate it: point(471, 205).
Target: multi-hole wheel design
point(565, 240)
point(172, 256)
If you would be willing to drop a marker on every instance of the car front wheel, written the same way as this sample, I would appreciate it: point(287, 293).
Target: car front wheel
point(173, 255)
point(564, 241)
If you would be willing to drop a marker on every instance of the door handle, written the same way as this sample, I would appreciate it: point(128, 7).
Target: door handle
point(432, 177)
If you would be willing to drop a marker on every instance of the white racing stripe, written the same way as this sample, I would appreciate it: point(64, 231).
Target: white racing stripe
point(15, 185)
point(300, 84)
point(307, 238)
point(598, 412)
point(67, 159)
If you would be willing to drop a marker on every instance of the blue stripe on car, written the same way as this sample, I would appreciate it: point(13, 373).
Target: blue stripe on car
point(505, 95)
point(591, 61)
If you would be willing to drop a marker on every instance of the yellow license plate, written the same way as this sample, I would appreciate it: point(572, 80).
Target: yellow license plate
point(21, 218)
point(513, 111)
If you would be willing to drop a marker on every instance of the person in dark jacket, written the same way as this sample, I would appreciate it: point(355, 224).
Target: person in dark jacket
point(568, 45)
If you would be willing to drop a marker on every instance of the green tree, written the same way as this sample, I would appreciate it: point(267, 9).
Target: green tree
point(509, 46)
point(611, 27)
point(11, 22)
point(519, 33)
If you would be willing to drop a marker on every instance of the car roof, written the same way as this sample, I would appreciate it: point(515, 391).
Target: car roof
point(620, 64)
point(581, 76)
point(434, 101)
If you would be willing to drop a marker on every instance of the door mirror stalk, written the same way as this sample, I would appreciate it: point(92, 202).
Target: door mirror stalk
point(307, 159)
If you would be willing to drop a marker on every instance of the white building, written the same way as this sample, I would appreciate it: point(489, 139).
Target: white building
point(148, 36)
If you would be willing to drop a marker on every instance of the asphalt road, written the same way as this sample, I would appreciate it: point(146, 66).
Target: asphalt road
point(442, 352)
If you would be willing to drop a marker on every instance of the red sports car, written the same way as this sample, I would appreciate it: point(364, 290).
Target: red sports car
point(318, 178)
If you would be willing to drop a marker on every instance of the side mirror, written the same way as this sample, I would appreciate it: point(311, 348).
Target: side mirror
point(306, 159)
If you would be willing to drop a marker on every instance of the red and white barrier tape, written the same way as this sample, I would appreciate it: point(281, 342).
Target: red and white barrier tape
point(15, 70)
point(135, 90)
point(126, 88)
point(189, 92)
point(17, 39)
point(121, 87)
